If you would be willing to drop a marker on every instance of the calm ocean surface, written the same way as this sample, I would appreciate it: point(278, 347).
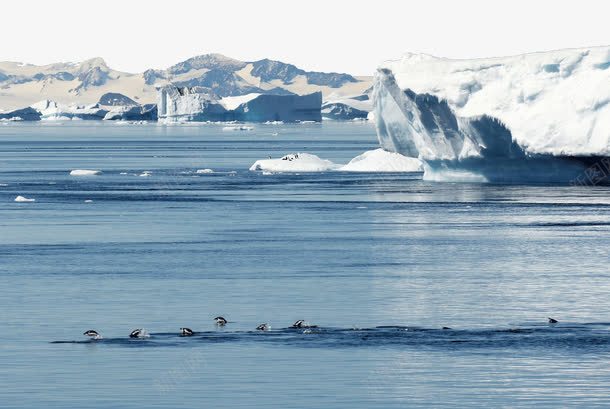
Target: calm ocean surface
point(349, 252)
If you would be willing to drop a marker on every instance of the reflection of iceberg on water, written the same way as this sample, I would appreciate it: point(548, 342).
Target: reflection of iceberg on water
point(458, 141)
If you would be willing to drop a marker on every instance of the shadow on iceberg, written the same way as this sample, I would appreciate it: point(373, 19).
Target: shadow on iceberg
point(468, 149)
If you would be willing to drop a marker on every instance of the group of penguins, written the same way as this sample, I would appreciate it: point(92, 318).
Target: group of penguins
point(221, 322)
point(187, 332)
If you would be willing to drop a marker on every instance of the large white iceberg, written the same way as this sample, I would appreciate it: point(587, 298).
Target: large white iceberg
point(539, 117)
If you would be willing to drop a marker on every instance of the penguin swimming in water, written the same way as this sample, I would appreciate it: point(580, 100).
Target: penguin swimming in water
point(302, 324)
point(552, 321)
point(263, 327)
point(93, 334)
point(298, 324)
point(186, 332)
point(139, 333)
point(220, 321)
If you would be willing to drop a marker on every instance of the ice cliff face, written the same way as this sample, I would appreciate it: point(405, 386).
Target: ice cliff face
point(421, 125)
point(539, 117)
point(182, 104)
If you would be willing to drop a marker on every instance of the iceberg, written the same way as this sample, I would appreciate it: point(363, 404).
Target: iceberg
point(376, 160)
point(542, 117)
point(286, 108)
point(84, 172)
point(297, 162)
point(53, 111)
point(379, 160)
point(185, 104)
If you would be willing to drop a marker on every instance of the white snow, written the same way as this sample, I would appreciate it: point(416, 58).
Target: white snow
point(204, 171)
point(232, 103)
point(84, 172)
point(379, 160)
point(22, 199)
point(555, 102)
point(297, 162)
point(350, 100)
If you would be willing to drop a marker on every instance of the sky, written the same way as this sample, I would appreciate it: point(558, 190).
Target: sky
point(332, 35)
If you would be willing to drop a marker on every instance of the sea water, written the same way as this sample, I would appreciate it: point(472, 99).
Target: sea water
point(379, 262)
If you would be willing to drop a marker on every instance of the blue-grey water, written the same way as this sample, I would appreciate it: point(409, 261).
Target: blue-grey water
point(380, 262)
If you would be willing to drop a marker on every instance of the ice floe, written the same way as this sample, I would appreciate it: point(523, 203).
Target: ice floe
point(376, 160)
point(296, 162)
point(238, 128)
point(379, 160)
point(85, 172)
point(22, 199)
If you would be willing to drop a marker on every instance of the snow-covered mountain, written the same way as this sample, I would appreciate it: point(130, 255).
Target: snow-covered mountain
point(22, 85)
point(542, 116)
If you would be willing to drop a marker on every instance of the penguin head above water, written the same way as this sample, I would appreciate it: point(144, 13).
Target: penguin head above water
point(263, 327)
point(302, 324)
point(139, 333)
point(220, 321)
point(552, 321)
point(186, 332)
point(93, 334)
